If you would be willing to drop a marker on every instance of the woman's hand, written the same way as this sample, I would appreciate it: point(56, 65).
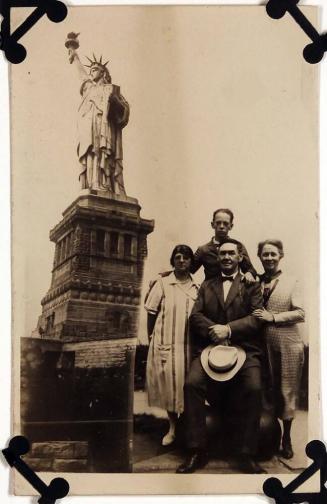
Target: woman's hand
point(264, 315)
point(249, 278)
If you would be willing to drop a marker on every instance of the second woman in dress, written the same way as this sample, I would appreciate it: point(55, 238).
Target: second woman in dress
point(169, 304)
point(283, 309)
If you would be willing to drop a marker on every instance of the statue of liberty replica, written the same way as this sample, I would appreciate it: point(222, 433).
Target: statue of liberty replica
point(102, 114)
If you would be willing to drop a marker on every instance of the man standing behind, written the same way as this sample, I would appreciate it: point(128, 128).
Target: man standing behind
point(206, 255)
point(222, 316)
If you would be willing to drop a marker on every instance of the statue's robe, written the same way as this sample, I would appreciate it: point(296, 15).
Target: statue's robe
point(100, 124)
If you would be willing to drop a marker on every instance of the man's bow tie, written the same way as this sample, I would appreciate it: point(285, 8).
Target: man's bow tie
point(228, 278)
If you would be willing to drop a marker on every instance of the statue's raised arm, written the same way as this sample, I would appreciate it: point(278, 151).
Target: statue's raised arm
point(102, 115)
point(72, 45)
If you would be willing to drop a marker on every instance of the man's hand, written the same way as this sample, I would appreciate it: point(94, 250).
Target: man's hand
point(219, 333)
point(264, 315)
point(249, 278)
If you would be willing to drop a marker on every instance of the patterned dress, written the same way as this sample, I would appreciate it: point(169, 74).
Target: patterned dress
point(284, 344)
point(169, 350)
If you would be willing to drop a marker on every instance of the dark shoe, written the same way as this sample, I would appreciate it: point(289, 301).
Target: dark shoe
point(195, 461)
point(287, 450)
point(247, 465)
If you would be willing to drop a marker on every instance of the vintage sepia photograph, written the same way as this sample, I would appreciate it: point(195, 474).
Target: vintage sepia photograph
point(165, 249)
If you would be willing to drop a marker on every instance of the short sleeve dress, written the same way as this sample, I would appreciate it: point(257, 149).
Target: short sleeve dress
point(169, 353)
point(283, 343)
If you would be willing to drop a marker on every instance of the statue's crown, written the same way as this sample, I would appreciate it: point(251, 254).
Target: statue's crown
point(96, 61)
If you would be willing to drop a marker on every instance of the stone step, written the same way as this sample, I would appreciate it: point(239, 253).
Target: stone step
point(168, 463)
point(57, 465)
point(60, 450)
point(58, 456)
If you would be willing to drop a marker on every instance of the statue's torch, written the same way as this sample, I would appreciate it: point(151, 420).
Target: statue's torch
point(72, 44)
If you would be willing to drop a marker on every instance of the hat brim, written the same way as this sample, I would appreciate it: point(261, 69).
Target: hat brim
point(225, 375)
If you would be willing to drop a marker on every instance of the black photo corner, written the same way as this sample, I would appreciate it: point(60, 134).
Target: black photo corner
point(58, 487)
point(273, 488)
point(313, 52)
point(14, 51)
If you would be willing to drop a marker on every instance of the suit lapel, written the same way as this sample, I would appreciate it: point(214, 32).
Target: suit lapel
point(219, 291)
point(233, 291)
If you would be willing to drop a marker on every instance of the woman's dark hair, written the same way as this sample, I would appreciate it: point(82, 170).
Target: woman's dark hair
point(276, 243)
point(182, 249)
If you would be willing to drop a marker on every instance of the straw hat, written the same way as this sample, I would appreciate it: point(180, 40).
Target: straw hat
point(222, 362)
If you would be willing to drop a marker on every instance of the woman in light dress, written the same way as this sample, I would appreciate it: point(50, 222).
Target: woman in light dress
point(283, 309)
point(169, 304)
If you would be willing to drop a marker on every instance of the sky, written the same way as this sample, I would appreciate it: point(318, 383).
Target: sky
point(224, 113)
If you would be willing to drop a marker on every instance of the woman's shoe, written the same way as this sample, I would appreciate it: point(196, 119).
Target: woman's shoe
point(168, 439)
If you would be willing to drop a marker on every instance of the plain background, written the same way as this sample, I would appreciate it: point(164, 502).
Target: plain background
point(5, 275)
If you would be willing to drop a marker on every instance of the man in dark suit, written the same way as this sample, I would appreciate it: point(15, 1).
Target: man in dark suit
point(222, 315)
point(206, 255)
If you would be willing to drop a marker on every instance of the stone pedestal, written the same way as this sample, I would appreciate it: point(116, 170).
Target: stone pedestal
point(84, 344)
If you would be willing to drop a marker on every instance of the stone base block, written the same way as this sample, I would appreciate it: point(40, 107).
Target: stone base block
point(39, 464)
point(61, 449)
point(70, 465)
point(59, 456)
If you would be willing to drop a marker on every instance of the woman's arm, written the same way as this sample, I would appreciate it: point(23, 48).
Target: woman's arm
point(153, 304)
point(152, 317)
point(296, 314)
point(293, 316)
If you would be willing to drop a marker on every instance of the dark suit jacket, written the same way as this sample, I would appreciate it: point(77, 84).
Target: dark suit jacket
point(207, 256)
point(210, 309)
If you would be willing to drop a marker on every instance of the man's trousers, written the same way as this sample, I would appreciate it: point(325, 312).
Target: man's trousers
point(238, 400)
